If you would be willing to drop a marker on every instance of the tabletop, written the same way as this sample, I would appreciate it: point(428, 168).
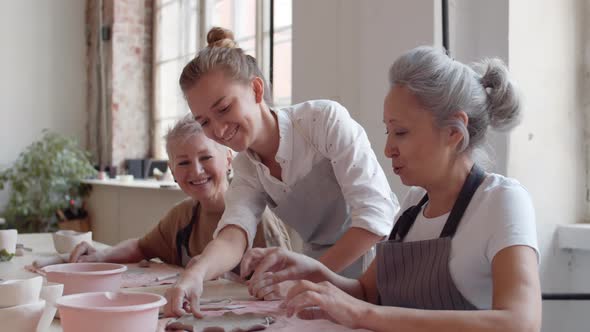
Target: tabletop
point(42, 246)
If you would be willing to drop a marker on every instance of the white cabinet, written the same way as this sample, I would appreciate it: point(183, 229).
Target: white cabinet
point(122, 210)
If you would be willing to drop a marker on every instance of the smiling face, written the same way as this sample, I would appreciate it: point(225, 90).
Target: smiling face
point(420, 151)
point(199, 166)
point(228, 110)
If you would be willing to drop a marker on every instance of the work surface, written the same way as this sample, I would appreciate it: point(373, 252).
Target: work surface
point(42, 246)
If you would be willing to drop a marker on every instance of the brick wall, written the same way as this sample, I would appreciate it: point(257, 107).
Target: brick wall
point(124, 130)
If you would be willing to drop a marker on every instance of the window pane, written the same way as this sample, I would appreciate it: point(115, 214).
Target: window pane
point(282, 68)
point(177, 42)
point(245, 24)
point(249, 46)
point(192, 29)
point(161, 129)
point(265, 61)
point(283, 13)
point(160, 3)
point(282, 62)
point(223, 14)
point(169, 100)
point(168, 36)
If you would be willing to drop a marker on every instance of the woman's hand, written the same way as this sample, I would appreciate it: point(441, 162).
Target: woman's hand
point(85, 252)
point(333, 303)
point(183, 298)
point(272, 266)
point(273, 292)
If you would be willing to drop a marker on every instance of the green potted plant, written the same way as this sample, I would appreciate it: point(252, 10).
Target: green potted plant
point(45, 182)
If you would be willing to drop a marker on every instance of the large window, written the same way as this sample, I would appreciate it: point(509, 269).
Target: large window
point(180, 31)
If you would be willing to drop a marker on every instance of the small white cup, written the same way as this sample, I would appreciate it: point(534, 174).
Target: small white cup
point(8, 240)
point(125, 178)
point(65, 241)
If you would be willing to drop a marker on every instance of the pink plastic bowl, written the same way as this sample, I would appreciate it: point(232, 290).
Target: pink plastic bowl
point(106, 312)
point(86, 277)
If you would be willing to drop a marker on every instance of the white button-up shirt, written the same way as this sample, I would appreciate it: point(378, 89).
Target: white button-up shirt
point(323, 129)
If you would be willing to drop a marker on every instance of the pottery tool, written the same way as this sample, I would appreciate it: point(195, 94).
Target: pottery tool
point(167, 277)
point(219, 304)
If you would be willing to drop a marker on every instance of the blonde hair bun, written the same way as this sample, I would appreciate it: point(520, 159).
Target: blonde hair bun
point(221, 37)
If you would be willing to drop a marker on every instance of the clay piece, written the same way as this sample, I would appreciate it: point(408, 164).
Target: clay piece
point(222, 304)
point(228, 322)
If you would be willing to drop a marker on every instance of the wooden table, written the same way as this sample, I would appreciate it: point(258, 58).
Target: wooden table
point(42, 245)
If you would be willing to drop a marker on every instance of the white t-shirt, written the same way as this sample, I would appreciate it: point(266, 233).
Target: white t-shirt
point(330, 133)
point(500, 215)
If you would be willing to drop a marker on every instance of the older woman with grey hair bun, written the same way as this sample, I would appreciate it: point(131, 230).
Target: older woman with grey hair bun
point(463, 253)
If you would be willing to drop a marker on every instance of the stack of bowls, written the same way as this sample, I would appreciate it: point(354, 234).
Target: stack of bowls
point(20, 305)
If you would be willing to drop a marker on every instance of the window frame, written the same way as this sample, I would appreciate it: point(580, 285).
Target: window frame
point(204, 18)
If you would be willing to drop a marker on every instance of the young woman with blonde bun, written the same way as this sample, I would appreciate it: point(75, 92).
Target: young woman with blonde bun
point(311, 163)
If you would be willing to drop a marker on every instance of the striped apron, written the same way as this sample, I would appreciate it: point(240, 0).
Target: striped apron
point(416, 274)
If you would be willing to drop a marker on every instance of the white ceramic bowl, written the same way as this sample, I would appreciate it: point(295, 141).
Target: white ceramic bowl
point(19, 292)
point(8, 240)
point(23, 317)
point(65, 241)
point(50, 293)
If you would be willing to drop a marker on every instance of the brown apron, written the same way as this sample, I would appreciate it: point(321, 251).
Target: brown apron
point(416, 274)
point(182, 239)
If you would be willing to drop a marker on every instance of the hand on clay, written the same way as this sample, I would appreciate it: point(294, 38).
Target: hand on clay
point(183, 297)
point(272, 266)
point(85, 252)
point(328, 301)
point(272, 292)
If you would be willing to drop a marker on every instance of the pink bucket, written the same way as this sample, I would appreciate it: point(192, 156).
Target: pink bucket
point(86, 277)
point(106, 312)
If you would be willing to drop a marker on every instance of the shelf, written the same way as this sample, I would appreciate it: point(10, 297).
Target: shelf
point(574, 236)
point(135, 183)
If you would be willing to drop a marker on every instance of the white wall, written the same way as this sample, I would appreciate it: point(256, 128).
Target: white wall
point(546, 153)
point(342, 50)
point(43, 82)
point(479, 29)
point(546, 150)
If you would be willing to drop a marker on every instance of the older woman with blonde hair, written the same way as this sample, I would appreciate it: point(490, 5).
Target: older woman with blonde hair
point(201, 167)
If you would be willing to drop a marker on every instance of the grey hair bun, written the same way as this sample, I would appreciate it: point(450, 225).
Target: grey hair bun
point(503, 98)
